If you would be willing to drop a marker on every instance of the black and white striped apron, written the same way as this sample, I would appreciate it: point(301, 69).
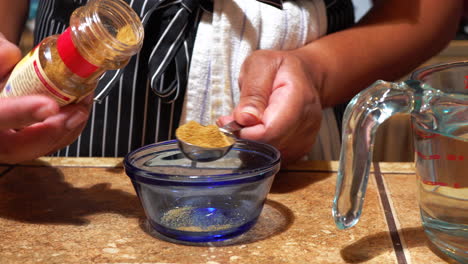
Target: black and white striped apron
point(137, 109)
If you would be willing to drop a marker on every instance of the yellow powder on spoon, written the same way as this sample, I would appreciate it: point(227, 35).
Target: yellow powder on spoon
point(204, 136)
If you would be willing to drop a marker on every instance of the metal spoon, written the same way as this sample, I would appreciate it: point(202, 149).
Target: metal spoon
point(204, 154)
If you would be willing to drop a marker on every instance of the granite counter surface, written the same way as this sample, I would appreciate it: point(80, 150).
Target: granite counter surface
point(85, 210)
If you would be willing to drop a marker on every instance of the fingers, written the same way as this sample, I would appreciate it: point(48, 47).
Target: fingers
point(17, 112)
point(42, 138)
point(45, 137)
point(280, 88)
point(223, 120)
point(10, 54)
point(256, 81)
point(75, 124)
point(59, 129)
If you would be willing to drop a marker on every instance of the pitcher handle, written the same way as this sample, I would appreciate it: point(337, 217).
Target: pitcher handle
point(363, 115)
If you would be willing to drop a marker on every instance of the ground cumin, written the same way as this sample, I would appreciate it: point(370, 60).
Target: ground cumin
point(127, 35)
point(185, 219)
point(203, 136)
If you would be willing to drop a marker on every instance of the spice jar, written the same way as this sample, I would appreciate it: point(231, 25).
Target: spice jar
point(103, 35)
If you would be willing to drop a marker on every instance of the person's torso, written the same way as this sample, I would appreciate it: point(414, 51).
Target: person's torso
point(132, 115)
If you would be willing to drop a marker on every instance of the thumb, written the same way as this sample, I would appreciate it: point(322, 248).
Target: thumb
point(256, 84)
point(10, 54)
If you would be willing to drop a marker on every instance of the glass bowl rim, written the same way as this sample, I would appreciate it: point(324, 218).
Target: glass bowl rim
point(142, 175)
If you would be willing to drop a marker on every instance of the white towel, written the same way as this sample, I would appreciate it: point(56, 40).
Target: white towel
point(233, 31)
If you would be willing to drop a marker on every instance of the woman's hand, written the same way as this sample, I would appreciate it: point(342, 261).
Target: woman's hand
point(32, 126)
point(279, 103)
point(10, 54)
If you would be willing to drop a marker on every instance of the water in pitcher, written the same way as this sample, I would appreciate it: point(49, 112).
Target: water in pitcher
point(437, 99)
point(442, 171)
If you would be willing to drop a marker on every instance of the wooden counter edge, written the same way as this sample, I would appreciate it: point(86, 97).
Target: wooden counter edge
point(76, 162)
point(315, 166)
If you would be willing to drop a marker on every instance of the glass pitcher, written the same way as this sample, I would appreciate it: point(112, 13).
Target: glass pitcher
point(437, 99)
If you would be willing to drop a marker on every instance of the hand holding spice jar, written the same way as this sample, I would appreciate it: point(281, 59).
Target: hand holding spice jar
point(61, 70)
point(103, 35)
point(32, 126)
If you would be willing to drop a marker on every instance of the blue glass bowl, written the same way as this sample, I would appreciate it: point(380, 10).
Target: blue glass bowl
point(202, 202)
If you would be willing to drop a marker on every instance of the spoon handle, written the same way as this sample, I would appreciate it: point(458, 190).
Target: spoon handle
point(232, 126)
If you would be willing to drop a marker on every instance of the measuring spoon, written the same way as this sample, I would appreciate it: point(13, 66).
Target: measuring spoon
point(204, 154)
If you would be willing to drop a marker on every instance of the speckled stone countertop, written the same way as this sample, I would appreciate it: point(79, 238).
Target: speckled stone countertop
point(85, 210)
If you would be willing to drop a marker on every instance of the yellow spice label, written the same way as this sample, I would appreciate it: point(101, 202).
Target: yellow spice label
point(28, 77)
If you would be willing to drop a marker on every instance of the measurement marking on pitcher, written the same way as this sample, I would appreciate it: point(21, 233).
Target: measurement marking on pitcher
point(434, 183)
point(425, 135)
point(438, 157)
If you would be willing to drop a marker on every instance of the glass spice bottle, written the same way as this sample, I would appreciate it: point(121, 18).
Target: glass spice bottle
point(103, 35)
